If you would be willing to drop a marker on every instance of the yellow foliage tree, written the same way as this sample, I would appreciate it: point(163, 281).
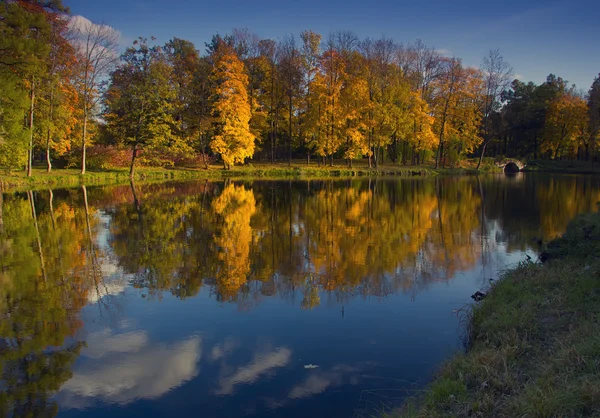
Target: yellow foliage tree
point(423, 137)
point(355, 106)
point(457, 109)
point(233, 139)
point(566, 124)
point(235, 206)
point(327, 86)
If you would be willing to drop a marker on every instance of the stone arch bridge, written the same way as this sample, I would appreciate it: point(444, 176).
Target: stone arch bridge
point(511, 166)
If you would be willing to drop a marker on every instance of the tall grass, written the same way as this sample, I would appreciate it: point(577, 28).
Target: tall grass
point(534, 341)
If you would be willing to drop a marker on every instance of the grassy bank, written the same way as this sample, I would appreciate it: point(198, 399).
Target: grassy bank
point(534, 340)
point(571, 167)
point(17, 180)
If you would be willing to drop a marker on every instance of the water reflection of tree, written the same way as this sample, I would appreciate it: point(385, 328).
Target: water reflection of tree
point(351, 239)
point(528, 209)
point(234, 209)
point(309, 242)
point(41, 294)
point(348, 238)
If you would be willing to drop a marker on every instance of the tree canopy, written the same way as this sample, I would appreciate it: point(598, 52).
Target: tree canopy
point(64, 88)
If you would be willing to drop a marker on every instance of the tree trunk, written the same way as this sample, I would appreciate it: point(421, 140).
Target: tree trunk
point(83, 138)
point(439, 159)
point(587, 152)
point(31, 110)
point(481, 156)
point(370, 143)
point(290, 134)
point(48, 161)
point(49, 133)
point(37, 234)
point(1, 212)
point(438, 155)
point(203, 150)
point(132, 167)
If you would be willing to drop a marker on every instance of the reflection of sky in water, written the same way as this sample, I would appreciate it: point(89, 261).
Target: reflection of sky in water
point(172, 357)
point(152, 354)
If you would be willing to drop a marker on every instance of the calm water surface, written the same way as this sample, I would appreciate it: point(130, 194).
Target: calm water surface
point(234, 299)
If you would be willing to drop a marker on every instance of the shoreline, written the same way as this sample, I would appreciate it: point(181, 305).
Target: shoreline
point(64, 178)
point(533, 343)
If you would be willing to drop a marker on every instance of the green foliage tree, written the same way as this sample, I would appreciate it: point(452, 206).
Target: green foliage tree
point(139, 100)
point(24, 43)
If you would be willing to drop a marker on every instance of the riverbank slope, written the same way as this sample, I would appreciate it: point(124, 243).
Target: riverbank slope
point(534, 341)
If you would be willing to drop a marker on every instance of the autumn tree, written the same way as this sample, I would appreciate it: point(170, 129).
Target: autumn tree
point(457, 110)
point(96, 46)
point(327, 84)
point(290, 75)
point(309, 56)
point(58, 98)
point(566, 124)
point(139, 100)
point(593, 103)
point(233, 140)
point(497, 75)
point(191, 108)
point(524, 114)
point(25, 32)
point(250, 51)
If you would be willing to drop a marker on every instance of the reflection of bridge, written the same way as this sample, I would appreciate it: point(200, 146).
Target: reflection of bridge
point(511, 166)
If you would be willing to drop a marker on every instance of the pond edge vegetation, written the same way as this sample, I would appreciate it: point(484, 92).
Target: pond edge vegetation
point(533, 343)
point(64, 178)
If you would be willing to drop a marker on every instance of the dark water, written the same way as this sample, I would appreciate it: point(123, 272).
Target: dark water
point(230, 299)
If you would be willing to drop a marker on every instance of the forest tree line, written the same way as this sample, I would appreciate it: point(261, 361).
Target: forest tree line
point(66, 95)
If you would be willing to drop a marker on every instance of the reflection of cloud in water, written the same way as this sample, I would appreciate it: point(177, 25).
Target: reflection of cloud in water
point(129, 370)
point(262, 364)
point(112, 280)
point(110, 286)
point(101, 343)
point(314, 384)
point(318, 381)
point(220, 351)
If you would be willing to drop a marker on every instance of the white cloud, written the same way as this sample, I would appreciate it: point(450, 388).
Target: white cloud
point(84, 26)
point(444, 52)
point(263, 364)
point(131, 370)
point(518, 76)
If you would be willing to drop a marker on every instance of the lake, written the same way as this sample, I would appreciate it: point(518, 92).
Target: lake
point(320, 298)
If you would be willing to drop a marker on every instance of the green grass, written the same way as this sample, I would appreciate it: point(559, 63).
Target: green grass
point(17, 180)
point(571, 167)
point(534, 347)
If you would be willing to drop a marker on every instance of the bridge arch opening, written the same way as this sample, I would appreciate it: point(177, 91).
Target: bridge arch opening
point(511, 168)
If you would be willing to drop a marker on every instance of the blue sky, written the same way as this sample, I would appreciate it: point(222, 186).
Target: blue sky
point(535, 37)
